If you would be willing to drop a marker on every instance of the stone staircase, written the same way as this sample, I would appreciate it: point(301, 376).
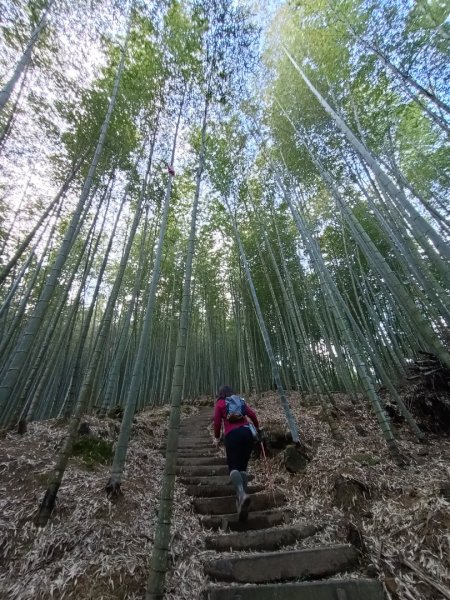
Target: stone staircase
point(253, 562)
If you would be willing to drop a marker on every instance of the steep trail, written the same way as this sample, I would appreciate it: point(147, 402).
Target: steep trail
point(256, 558)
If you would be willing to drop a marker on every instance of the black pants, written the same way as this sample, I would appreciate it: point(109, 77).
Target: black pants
point(239, 446)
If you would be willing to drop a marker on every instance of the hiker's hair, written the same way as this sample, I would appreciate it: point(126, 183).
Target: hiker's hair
point(225, 391)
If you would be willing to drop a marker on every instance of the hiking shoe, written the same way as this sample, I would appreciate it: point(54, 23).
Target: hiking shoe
point(243, 505)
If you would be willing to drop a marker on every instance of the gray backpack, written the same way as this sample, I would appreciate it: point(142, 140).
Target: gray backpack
point(234, 408)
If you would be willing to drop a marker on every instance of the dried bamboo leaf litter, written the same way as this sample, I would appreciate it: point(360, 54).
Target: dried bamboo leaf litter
point(96, 549)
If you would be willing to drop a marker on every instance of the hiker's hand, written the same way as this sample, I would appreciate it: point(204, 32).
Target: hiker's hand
point(216, 443)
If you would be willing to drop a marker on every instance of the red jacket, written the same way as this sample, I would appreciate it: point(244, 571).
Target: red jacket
point(220, 415)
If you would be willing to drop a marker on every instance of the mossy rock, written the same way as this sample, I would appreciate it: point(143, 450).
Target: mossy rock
point(296, 459)
point(93, 450)
point(349, 492)
point(116, 413)
point(365, 459)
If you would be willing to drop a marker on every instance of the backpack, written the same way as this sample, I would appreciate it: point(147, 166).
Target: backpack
point(234, 408)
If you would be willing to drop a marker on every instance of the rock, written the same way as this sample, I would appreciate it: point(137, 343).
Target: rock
point(22, 427)
point(391, 585)
point(348, 491)
point(84, 429)
point(365, 459)
point(372, 571)
point(360, 430)
point(276, 438)
point(116, 413)
point(295, 459)
point(355, 537)
point(394, 412)
point(444, 489)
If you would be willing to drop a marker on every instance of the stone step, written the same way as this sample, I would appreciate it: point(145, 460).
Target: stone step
point(263, 539)
point(200, 436)
point(208, 450)
point(338, 589)
point(193, 437)
point(262, 519)
point(310, 563)
point(208, 441)
point(200, 461)
point(196, 454)
point(213, 491)
point(212, 480)
point(227, 504)
point(203, 470)
point(194, 442)
point(206, 413)
point(194, 446)
point(199, 448)
point(194, 429)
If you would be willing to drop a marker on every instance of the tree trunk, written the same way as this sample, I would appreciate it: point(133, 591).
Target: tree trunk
point(158, 566)
point(8, 88)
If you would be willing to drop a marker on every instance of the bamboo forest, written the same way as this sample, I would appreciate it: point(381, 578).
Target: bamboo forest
point(199, 193)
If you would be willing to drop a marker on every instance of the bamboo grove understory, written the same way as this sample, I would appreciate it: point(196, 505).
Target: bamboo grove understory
point(196, 193)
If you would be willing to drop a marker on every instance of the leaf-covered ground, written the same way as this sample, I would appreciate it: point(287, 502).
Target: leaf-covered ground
point(354, 489)
point(97, 549)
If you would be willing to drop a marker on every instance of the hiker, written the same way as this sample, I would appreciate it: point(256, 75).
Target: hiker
point(239, 438)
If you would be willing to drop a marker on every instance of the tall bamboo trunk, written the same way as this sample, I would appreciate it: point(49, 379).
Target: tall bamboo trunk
point(341, 315)
point(113, 485)
point(36, 319)
point(49, 500)
point(292, 424)
point(8, 88)
point(158, 565)
point(397, 195)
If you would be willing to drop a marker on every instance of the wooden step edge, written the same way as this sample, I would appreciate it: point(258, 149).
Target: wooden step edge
point(328, 589)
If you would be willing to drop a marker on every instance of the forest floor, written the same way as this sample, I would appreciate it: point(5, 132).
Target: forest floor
point(96, 549)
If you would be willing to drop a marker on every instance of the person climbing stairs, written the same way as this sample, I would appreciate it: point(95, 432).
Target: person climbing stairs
point(255, 557)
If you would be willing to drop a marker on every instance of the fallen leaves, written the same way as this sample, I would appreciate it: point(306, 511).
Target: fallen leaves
point(97, 549)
